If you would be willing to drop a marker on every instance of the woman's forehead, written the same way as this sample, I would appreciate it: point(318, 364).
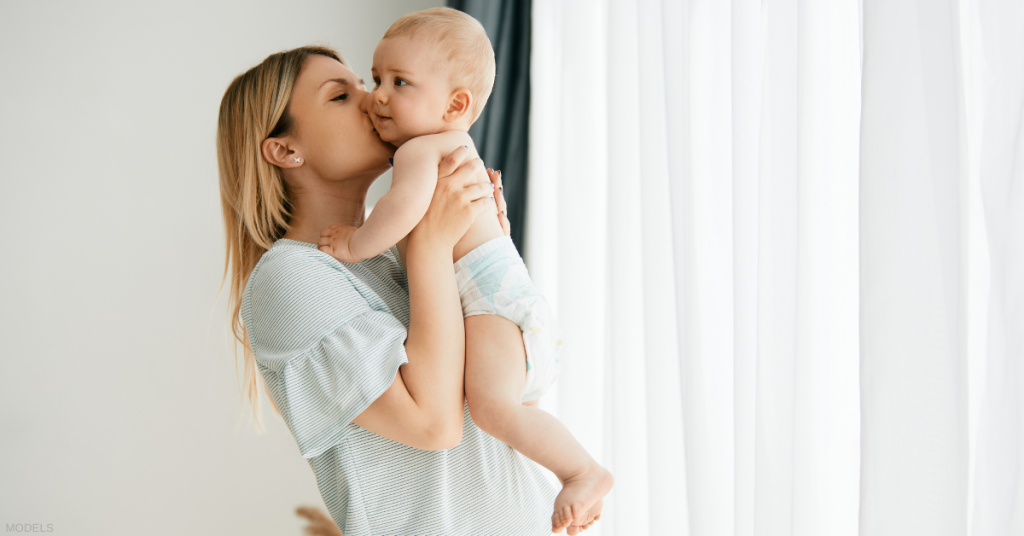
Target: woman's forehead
point(321, 71)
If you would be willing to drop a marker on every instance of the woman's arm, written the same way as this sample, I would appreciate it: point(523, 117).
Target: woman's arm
point(423, 407)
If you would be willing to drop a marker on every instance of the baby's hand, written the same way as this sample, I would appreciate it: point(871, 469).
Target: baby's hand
point(335, 240)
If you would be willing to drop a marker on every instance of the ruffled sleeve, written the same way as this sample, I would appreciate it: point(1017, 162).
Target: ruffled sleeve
point(325, 350)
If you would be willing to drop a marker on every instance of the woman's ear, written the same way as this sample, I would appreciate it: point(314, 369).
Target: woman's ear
point(277, 152)
point(460, 105)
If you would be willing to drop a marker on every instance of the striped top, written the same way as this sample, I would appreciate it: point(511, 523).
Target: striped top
point(328, 339)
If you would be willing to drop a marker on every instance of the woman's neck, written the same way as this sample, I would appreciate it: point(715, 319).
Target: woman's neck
point(318, 206)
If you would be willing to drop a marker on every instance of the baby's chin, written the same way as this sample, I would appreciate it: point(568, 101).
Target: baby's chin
point(394, 138)
point(389, 132)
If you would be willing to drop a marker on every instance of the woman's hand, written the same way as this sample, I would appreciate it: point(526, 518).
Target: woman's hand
point(458, 199)
point(319, 523)
point(424, 407)
point(499, 200)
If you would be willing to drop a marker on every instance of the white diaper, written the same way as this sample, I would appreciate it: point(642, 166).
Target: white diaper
point(493, 280)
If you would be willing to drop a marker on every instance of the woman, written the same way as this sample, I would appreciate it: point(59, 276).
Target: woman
point(364, 361)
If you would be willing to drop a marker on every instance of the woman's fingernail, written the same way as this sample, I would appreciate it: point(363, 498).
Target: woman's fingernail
point(391, 161)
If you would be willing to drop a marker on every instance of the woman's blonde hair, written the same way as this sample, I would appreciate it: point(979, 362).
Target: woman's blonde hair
point(253, 194)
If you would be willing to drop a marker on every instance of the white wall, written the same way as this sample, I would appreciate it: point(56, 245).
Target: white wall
point(118, 401)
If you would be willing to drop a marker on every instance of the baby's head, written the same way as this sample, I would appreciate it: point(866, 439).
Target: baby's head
point(433, 72)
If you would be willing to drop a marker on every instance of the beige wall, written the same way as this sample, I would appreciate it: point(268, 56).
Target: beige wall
point(118, 401)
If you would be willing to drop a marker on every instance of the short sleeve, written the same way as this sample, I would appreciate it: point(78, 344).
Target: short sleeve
point(326, 350)
point(321, 390)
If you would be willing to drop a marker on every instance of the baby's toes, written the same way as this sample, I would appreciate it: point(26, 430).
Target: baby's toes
point(561, 519)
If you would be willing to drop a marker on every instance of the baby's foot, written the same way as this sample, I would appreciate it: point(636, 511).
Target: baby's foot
point(578, 497)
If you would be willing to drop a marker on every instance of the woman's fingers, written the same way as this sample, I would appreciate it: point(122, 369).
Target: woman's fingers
point(481, 197)
point(479, 190)
point(495, 176)
point(458, 199)
point(499, 199)
point(482, 206)
point(467, 174)
point(453, 161)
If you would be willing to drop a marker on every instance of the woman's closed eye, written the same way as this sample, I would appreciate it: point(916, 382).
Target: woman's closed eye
point(343, 96)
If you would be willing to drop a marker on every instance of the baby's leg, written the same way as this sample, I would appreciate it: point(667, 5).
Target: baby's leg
point(495, 376)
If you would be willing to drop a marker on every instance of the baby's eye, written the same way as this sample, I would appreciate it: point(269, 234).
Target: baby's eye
point(341, 97)
point(400, 82)
point(376, 82)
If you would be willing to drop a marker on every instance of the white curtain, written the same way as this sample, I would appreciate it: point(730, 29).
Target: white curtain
point(785, 239)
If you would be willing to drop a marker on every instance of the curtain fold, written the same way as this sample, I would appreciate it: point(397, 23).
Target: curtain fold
point(913, 343)
point(996, 87)
point(767, 227)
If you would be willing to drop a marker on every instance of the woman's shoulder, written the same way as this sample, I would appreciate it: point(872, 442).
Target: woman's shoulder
point(296, 294)
point(294, 261)
point(291, 271)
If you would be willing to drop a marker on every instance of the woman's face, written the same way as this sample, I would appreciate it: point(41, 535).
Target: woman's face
point(332, 130)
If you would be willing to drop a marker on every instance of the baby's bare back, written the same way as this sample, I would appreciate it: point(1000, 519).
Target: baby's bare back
point(426, 152)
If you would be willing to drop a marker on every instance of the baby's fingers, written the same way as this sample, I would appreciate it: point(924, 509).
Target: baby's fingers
point(325, 240)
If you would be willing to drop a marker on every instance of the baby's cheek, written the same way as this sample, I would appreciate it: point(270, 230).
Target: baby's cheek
point(420, 122)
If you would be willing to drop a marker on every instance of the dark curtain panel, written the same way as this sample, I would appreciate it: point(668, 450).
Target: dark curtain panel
point(501, 132)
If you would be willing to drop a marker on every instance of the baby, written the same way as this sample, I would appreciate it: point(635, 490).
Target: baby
point(433, 72)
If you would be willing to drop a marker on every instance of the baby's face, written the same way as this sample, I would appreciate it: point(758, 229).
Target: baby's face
point(411, 89)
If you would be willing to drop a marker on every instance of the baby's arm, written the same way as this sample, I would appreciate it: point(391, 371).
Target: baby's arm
point(399, 210)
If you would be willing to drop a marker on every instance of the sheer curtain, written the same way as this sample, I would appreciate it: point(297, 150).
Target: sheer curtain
point(785, 239)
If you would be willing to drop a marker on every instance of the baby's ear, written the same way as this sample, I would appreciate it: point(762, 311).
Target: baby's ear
point(460, 105)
